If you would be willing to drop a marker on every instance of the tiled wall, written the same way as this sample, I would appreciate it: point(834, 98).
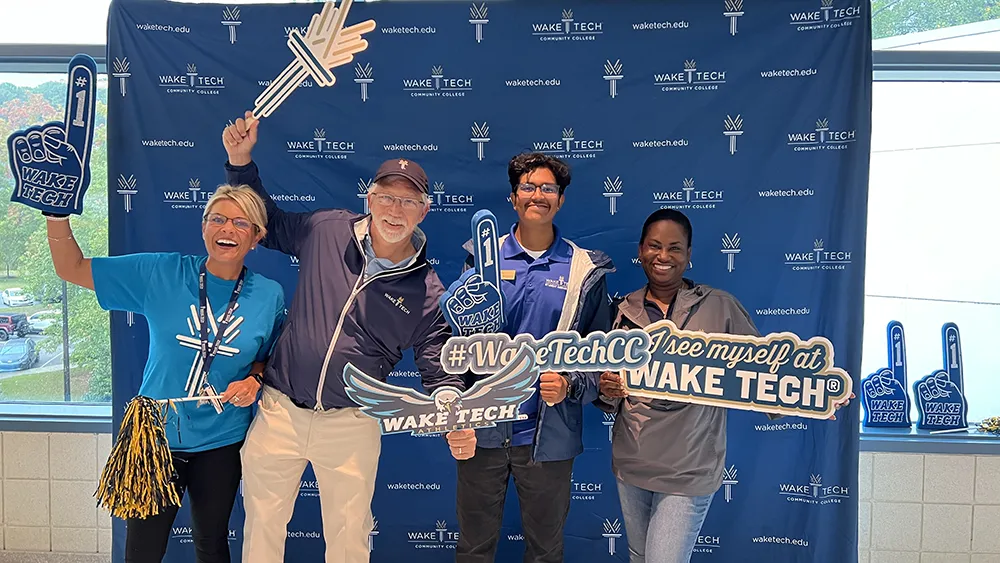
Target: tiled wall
point(914, 508)
point(48, 489)
point(919, 508)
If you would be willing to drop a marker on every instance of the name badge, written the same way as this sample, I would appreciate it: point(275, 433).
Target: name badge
point(507, 275)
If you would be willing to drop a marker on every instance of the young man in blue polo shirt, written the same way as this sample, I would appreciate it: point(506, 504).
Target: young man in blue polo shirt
point(549, 284)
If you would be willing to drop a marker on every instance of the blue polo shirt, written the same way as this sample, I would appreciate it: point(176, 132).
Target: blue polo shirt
point(533, 302)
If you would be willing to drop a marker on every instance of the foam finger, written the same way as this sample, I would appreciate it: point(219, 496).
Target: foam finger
point(80, 104)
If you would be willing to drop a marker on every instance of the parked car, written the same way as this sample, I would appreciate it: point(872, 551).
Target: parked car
point(15, 297)
point(18, 354)
point(15, 324)
point(42, 320)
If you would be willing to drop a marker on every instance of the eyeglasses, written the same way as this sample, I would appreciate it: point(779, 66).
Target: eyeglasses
point(219, 220)
point(388, 200)
point(547, 189)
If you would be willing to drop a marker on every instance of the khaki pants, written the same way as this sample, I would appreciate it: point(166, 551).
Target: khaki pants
point(343, 446)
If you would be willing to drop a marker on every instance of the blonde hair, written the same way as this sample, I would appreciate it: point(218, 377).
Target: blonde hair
point(248, 201)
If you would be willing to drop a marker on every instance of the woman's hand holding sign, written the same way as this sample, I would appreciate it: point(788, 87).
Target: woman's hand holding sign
point(612, 386)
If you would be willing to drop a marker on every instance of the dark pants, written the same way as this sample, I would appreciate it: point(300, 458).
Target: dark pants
point(543, 491)
point(211, 479)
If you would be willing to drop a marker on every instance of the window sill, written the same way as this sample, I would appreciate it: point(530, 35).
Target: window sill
point(911, 440)
point(55, 417)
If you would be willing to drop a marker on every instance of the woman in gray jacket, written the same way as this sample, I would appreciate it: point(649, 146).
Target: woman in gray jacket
point(666, 485)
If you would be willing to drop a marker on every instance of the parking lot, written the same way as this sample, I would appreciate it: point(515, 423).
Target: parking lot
point(39, 316)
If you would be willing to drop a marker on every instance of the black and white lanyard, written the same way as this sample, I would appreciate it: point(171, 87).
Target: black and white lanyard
point(208, 351)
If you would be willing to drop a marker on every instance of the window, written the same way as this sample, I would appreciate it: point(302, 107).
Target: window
point(931, 215)
point(46, 355)
point(61, 22)
point(892, 19)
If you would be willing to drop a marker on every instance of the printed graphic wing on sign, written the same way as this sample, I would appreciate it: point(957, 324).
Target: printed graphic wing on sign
point(51, 162)
point(401, 409)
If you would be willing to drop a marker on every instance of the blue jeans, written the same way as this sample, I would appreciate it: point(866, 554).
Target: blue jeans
point(661, 528)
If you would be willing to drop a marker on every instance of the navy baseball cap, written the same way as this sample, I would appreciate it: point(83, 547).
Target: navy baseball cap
point(406, 168)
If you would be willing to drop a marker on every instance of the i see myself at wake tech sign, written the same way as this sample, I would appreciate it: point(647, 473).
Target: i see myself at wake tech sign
point(353, 271)
point(549, 283)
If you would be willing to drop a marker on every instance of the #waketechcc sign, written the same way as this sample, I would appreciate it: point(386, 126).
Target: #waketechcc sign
point(777, 373)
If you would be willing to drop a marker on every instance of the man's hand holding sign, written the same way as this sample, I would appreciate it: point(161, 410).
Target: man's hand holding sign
point(51, 162)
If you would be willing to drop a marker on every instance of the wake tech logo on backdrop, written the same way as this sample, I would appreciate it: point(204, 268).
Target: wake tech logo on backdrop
point(437, 85)
point(183, 534)
point(690, 78)
point(585, 490)
point(478, 19)
point(194, 197)
point(707, 543)
point(127, 188)
point(570, 146)
point(569, 27)
point(828, 14)
point(192, 81)
point(822, 137)
point(820, 258)
point(441, 200)
point(688, 197)
point(815, 492)
point(320, 146)
point(231, 20)
point(440, 538)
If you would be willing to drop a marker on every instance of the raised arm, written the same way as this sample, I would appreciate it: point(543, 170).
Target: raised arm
point(285, 230)
point(67, 258)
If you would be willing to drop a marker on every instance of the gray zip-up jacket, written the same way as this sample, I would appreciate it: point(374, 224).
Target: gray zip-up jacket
point(666, 446)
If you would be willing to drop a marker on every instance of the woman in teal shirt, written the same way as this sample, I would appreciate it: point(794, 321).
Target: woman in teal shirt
point(212, 324)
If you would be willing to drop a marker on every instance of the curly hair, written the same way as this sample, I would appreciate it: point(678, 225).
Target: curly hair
point(526, 163)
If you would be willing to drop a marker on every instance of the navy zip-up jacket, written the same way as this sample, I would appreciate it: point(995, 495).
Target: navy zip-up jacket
point(559, 429)
point(337, 316)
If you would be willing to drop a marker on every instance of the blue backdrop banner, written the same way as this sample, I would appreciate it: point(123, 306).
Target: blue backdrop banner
point(754, 120)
